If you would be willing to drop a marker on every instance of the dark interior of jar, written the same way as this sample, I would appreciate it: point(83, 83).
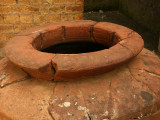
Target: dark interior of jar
point(76, 44)
point(75, 48)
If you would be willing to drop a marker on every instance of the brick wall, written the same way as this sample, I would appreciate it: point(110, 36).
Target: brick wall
point(18, 15)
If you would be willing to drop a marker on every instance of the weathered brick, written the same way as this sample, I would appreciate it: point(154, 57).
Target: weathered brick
point(1, 19)
point(59, 1)
point(79, 16)
point(79, 1)
point(10, 35)
point(44, 8)
point(7, 2)
point(64, 1)
point(39, 19)
point(23, 14)
point(70, 1)
point(2, 36)
point(21, 27)
point(24, 2)
point(57, 9)
point(53, 18)
point(6, 28)
point(74, 8)
point(25, 9)
point(3, 43)
point(26, 19)
point(67, 17)
point(5, 9)
point(11, 19)
point(35, 2)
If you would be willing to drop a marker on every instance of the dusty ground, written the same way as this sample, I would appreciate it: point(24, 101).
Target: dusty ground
point(151, 42)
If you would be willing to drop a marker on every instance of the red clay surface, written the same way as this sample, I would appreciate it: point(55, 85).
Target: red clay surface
point(129, 92)
point(24, 49)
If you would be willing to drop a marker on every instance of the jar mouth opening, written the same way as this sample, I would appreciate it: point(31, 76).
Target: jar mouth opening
point(74, 40)
point(80, 48)
point(75, 48)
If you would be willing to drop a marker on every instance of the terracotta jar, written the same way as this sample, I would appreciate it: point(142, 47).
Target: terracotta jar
point(118, 83)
